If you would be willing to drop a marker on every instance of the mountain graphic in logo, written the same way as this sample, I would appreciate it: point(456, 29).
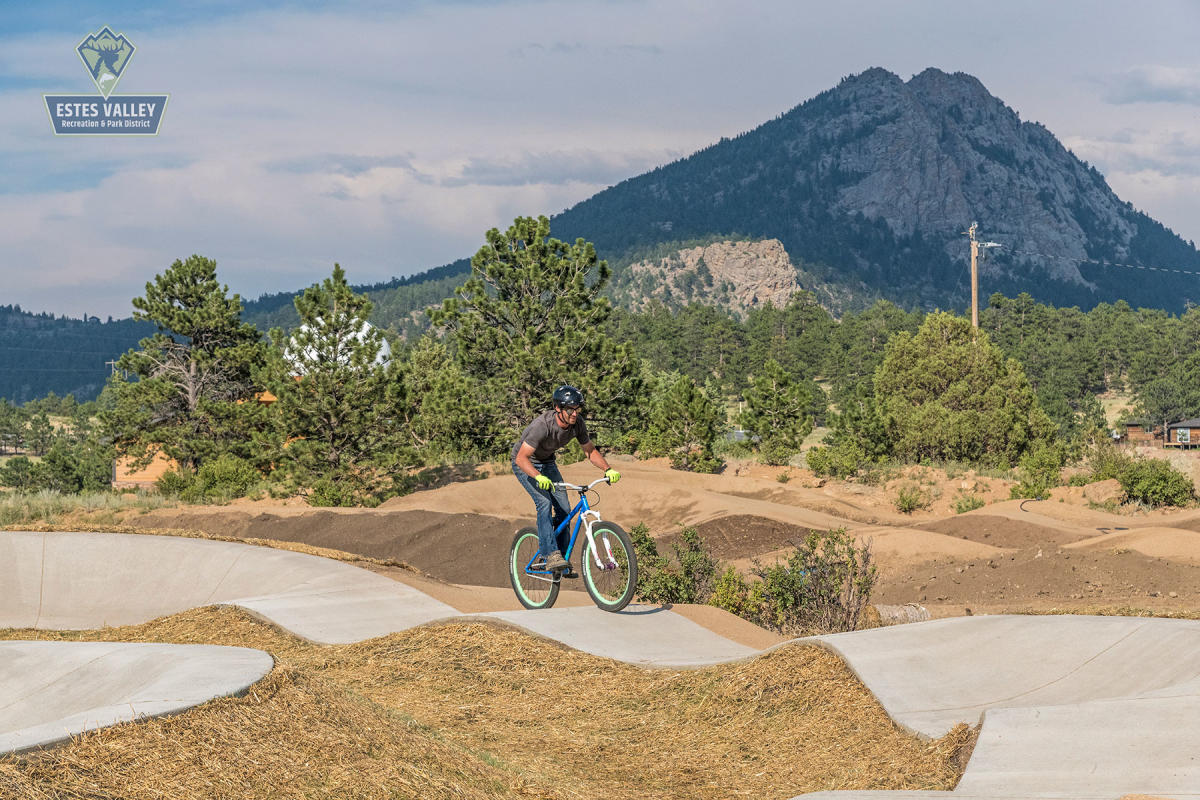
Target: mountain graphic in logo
point(105, 54)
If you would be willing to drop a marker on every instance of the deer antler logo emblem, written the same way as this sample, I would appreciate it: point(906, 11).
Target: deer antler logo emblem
point(105, 54)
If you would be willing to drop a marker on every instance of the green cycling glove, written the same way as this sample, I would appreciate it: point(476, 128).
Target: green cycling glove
point(612, 475)
point(544, 483)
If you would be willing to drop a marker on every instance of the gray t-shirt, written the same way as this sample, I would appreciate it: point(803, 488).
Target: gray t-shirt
point(548, 438)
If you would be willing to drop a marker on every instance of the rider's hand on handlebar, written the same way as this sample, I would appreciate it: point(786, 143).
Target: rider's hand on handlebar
point(544, 483)
point(612, 475)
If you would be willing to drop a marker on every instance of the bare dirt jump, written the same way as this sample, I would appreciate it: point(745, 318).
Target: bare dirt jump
point(1007, 556)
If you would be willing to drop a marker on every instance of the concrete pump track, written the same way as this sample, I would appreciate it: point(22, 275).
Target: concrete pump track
point(1071, 706)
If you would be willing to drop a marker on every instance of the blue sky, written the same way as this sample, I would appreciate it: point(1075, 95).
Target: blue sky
point(389, 137)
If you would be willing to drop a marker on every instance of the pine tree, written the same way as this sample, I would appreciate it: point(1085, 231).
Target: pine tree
point(949, 393)
point(192, 379)
point(448, 415)
point(1167, 399)
point(777, 413)
point(39, 433)
point(338, 414)
point(531, 317)
point(683, 424)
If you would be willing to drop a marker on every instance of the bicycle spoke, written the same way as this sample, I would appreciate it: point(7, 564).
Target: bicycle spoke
point(607, 569)
point(534, 588)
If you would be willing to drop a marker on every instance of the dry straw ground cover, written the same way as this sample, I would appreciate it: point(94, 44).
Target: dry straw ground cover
point(473, 710)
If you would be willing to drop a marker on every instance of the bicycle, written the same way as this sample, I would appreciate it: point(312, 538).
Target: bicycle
point(608, 564)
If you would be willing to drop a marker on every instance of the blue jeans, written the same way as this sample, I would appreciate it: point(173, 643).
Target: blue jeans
point(552, 507)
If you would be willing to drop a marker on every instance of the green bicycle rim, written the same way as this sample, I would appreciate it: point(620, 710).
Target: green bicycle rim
point(602, 594)
point(517, 562)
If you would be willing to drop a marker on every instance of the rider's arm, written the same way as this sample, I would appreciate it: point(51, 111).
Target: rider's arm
point(523, 460)
point(593, 455)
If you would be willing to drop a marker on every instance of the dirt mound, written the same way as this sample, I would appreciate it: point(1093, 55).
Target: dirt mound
point(743, 536)
point(1000, 531)
point(1040, 580)
point(1169, 543)
point(460, 548)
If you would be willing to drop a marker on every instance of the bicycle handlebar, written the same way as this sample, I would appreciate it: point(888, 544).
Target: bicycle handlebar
point(565, 485)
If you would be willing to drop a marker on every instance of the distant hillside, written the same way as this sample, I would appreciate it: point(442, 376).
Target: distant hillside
point(41, 353)
point(396, 301)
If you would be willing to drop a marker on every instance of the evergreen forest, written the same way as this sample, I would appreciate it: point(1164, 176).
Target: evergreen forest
point(344, 426)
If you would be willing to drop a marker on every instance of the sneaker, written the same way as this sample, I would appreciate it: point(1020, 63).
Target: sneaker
point(556, 562)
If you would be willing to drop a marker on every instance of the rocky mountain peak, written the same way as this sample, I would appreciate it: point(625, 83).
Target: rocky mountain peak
point(875, 181)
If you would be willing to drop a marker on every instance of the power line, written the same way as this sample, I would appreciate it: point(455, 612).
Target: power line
point(1100, 262)
point(56, 350)
point(76, 370)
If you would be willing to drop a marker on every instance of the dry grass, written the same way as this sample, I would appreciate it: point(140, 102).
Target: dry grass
point(1114, 611)
point(1115, 405)
point(472, 710)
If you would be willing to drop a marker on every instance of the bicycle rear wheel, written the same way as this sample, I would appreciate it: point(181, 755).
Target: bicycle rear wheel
point(612, 582)
point(535, 589)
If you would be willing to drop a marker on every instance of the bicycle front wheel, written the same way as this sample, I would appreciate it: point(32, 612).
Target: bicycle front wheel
point(610, 573)
point(534, 588)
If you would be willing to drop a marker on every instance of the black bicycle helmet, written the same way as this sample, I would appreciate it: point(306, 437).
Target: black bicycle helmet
point(567, 396)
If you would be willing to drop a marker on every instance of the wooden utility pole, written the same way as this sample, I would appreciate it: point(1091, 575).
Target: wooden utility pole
point(975, 245)
point(974, 275)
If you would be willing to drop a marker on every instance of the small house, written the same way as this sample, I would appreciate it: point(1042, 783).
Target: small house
point(1141, 433)
point(126, 476)
point(1184, 434)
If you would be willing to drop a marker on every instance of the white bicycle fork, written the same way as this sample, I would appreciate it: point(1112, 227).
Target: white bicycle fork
point(590, 518)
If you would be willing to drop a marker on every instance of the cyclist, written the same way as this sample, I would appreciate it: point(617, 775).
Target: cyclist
point(533, 462)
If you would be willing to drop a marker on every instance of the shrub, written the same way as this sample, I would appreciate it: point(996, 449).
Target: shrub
point(1079, 479)
point(738, 596)
point(784, 477)
point(688, 578)
point(968, 502)
point(326, 492)
point(221, 479)
point(819, 461)
point(911, 498)
point(1156, 483)
point(841, 460)
point(877, 474)
point(1107, 461)
point(824, 586)
point(174, 482)
point(1039, 471)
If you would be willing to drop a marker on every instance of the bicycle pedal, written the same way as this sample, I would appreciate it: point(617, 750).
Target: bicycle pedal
point(569, 573)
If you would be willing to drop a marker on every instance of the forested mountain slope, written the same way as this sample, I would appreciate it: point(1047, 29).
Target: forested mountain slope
point(42, 353)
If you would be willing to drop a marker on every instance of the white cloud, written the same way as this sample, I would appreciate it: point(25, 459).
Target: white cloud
point(390, 139)
point(1155, 84)
point(1168, 152)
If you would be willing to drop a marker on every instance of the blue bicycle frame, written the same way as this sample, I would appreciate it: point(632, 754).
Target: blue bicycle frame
point(579, 513)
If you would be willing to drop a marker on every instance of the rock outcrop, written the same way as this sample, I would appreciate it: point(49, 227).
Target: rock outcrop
point(738, 275)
